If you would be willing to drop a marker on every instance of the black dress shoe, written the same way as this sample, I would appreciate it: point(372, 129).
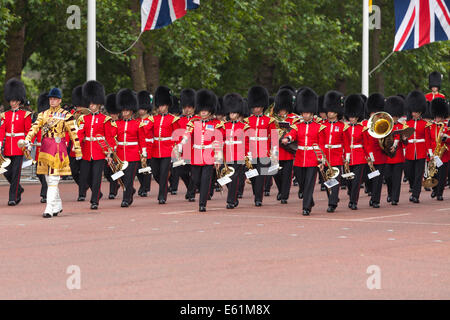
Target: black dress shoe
point(12, 203)
point(230, 206)
point(43, 200)
point(433, 194)
point(94, 206)
point(300, 195)
point(284, 201)
point(266, 193)
point(414, 199)
point(405, 179)
point(239, 196)
point(258, 203)
point(376, 205)
point(323, 188)
point(354, 207)
point(236, 203)
point(369, 194)
point(389, 199)
point(202, 209)
point(143, 194)
point(111, 196)
point(306, 212)
point(440, 198)
point(410, 190)
point(331, 208)
point(46, 215)
point(343, 187)
point(350, 204)
point(279, 196)
point(81, 198)
point(370, 203)
point(173, 192)
point(394, 203)
point(162, 201)
point(427, 189)
point(124, 204)
point(191, 199)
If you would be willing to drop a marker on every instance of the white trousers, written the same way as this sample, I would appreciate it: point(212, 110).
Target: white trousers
point(54, 203)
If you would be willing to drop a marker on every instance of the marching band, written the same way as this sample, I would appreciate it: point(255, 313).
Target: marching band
point(348, 141)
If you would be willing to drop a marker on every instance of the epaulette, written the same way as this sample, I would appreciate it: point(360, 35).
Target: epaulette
point(271, 120)
point(107, 118)
point(141, 124)
point(293, 126)
point(245, 120)
point(2, 115)
point(175, 118)
point(322, 127)
point(429, 123)
point(365, 128)
point(221, 124)
point(27, 113)
point(246, 126)
point(113, 123)
point(346, 126)
point(151, 118)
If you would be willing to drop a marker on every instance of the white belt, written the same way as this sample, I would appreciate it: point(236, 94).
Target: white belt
point(233, 142)
point(259, 138)
point(148, 140)
point(197, 146)
point(127, 143)
point(308, 148)
point(162, 138)
point(354, 146)
point(19, 134)
point(333, 146)
point(94, 138)
point(416, 140)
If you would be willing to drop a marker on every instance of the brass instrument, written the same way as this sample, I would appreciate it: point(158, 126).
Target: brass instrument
point(332, 172)
point(4, 162)
point(116, 165)
point(249, 166)
point(432, 170)
point(145, 169)
point(347, 173)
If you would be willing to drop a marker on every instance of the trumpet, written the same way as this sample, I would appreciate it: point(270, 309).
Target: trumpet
point(116, 165)
point(332, 172)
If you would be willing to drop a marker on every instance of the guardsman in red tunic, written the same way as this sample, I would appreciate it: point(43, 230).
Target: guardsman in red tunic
point(439, 131)
point(114, 113)
point(395, 106)
point(206, 136)
point(434, 81)
point(93, 128)
point(419, 144)
point(334, 142)
point(354, 141)
point(144, 111)
point(42, 105)
point(187, 104)
point(284, 118)
point(375, 103)
point(259, 129)
point(131, 144)
point(162, 126)
point(234, 147)
point(15, 124)
point(310, 136)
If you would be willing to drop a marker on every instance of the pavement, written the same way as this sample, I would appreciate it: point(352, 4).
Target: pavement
point(171, 251)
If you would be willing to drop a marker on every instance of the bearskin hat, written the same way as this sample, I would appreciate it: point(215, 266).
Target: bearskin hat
point(126, 100)
point(15, 90)
point(258, 97)
point(110, 104)
point(144, 100)
point(93, 92)
point(439, 108)
point(163, 97)
point(395, 106)
point(42, 102)
point(246, 110)
point(187, 98)
point(354, 107)
point(306, 101)
point(175, 107)
point(77, 97)
point(334, 102)
point(233, 103)
point(320, 108)
point(284, 100)
point(289, 87)
point(416, 102)
point(205, 100)
point(375, 103)
point(434, 80)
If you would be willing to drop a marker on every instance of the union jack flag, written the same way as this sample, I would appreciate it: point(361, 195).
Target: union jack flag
point(157, 14)
point(419, 22)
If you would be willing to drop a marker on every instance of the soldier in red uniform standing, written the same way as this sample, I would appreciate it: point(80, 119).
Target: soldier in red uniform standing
point(310, 136)
point(395, 106)
point(283, 108)
point(434, 83)
point(440, 131)
point(234, 148)
point(354, 141)
point(161, 127)
point(144, 110)
point(131, 144)
point(334, 139)
point(93, 128)
point(375, 103)
point(419, 143)
point(15, 124)
point(206, 134)
point(259, 131)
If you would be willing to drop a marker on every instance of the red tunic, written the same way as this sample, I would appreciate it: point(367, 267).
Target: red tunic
point(334, 142)
point(259, 129)
point(419, 143)
point(130, 136)
point(292, 118)
point(373, 147)
point(162, 127)
point(355, 139)
point(14, 127)
point(430, 96)
point(235, 145)
point(148, 135)
point(434, 131)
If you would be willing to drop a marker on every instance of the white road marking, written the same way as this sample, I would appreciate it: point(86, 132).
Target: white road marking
point(391, 239)
point(155, 229)
point(342, 237)
point(293, 234)
point(439, 241)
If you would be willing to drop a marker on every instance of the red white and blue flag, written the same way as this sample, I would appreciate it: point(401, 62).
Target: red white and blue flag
point(157, 14)
point(419, 22)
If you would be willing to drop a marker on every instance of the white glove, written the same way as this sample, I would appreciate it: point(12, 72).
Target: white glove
point(144, 152)
point(250, 158)
point(347, 157)
point(372, 158)
point(78, 158)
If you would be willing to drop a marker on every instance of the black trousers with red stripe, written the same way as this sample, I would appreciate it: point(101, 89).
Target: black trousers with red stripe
point(202, 177)
point(128, 181)
point(259, 182)
point(233, 186)
point(13, 177)
point(283, 178)
point(355, 183)
point(91, 177)
point(160, 170)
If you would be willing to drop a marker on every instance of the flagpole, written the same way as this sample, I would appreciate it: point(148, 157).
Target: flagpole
point(91, 41)
point(365, 50)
